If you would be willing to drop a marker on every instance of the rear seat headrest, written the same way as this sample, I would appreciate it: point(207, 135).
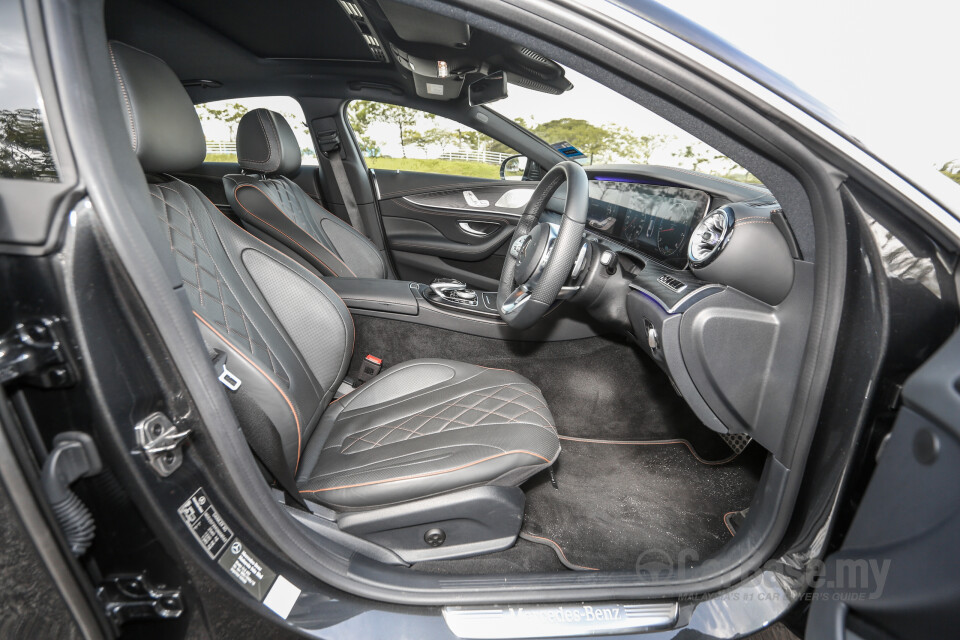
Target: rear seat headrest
point(266, 144)
point(164, 127)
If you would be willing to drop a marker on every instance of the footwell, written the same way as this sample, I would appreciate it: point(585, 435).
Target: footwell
point(638, 505)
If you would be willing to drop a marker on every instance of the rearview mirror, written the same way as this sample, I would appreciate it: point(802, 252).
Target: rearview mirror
point(487, 89)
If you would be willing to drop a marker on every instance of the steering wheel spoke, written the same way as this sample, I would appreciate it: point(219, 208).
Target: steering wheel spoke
point(516, 298)
point(541, 256)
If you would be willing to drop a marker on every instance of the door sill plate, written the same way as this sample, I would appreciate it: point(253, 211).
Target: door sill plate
point(550, 621)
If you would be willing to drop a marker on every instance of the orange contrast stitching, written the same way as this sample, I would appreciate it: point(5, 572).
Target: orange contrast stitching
point(426, 475)
point(269, 379)
point(291, 222)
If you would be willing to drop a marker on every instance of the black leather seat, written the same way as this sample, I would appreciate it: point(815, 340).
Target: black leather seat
point(267, 200)
point(420, 428)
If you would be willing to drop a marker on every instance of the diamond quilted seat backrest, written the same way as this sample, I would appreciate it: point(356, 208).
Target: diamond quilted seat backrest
point(209, 295)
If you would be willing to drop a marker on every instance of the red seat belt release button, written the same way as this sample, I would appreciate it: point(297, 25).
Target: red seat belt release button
point(369, 367)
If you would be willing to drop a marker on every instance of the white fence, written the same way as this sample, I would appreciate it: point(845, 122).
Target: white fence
point(220, 146)
point(476, 155)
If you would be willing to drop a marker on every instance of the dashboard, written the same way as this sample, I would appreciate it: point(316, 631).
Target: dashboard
point(650, 217)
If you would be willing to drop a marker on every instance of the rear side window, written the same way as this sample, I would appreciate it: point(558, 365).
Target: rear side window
point(220, 120)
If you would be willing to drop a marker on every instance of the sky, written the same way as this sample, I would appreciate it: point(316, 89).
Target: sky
point(888, 71)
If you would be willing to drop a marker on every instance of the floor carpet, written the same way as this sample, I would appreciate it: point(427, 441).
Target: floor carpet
point(637, 506)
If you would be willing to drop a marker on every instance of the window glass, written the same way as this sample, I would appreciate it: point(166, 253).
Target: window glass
point(607, 128)
point(220, 120)
point(24, 148)
point(395, 137)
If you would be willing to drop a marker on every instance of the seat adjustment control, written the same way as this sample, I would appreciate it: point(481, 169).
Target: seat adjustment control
point(434, 537)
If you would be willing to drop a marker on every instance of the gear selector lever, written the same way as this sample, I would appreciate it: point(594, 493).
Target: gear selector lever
point(454, 290)
point(446, 286)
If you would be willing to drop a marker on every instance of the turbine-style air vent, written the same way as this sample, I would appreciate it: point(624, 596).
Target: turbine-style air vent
point(710, 236)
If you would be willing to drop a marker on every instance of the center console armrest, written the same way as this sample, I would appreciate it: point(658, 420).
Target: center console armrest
point(376, 294)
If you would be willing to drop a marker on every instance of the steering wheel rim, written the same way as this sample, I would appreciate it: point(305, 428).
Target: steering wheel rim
point(548, 264)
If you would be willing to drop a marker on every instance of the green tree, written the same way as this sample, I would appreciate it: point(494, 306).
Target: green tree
point(363, 113)
point(24, 151)
point(434, 136)
point(951, 169)
point(230, 115)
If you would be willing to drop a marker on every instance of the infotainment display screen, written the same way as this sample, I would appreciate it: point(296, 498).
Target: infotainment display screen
point(652, 218)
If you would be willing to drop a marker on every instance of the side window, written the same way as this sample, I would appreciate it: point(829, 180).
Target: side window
point(395, 137)
point(220, 119)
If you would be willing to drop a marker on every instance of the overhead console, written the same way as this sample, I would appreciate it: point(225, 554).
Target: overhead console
point(441, 55)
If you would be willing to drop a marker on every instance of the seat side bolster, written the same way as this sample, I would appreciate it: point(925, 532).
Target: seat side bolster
point(252, 204)
point(366, 259)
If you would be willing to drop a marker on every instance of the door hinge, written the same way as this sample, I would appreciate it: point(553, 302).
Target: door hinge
point(161, 442)
point(130, 597)
point(35, 352)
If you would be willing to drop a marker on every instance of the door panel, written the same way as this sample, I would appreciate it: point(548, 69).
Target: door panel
point(896, 573)
point(449, 226)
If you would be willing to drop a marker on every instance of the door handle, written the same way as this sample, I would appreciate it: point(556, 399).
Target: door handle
point(478, 229)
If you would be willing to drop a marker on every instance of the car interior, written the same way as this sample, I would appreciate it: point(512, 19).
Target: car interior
point(589, 371)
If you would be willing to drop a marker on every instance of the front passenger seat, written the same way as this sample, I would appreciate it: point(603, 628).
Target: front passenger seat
point(419, 429)
point(266, 199)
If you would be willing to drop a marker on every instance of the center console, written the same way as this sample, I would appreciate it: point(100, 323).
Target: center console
point(450, 304)
point(451, 294)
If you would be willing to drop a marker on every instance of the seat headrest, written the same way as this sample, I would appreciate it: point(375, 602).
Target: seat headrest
point(266, 144)
point(164, 127)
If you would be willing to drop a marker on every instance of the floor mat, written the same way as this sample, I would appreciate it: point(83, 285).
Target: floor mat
point(637, 506)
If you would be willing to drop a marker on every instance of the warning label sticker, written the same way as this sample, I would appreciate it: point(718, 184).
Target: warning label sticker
point(247, 569)
point(205, 523)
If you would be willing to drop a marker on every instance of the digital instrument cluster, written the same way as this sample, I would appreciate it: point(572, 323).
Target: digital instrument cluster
point(654, 219)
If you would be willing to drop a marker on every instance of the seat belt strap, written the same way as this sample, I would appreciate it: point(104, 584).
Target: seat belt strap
point(258, 429)
point(329, 142)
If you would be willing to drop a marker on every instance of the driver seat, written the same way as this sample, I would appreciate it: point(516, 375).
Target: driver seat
point(421, 428)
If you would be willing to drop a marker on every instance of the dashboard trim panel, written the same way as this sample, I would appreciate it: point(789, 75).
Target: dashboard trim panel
point(683, 303)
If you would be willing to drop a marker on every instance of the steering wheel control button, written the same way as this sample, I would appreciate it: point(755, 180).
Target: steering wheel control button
point(516, 249)
point(434, 537)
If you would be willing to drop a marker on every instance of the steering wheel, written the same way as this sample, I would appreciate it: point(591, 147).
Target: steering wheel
point(542, 254)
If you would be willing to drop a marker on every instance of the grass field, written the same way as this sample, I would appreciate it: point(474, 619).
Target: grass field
point(453, 167)
point(221, 157)
point(448, 167)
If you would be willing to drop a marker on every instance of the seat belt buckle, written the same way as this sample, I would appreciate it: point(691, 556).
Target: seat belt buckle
point(369, 367)
point(229, 380)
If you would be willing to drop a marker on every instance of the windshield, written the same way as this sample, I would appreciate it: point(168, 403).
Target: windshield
point(607, 127)
point(591, 123)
